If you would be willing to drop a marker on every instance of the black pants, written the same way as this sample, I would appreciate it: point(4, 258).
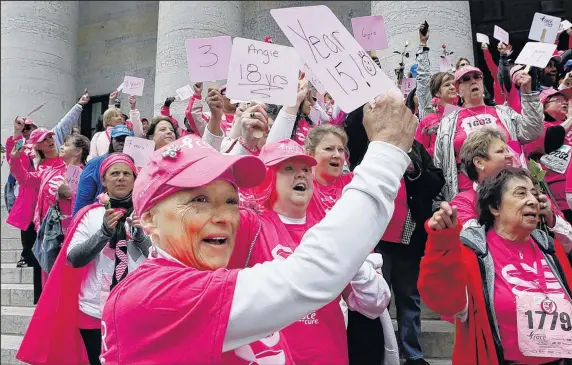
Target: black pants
point(28, 238)
point(92, 341)
point(365, 340)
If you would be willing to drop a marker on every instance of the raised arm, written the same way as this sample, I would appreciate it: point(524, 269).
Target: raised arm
point(270, 296)
point(423, 77)
point(64, 127)
point(135, 117)
point(530, 123)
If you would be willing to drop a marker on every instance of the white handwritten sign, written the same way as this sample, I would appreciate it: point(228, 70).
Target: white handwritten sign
point(445, 64)
point(544, 28)
point(564, 25)
point(312, 78)
point(72, 176)
point(500, 34)
point(133, 85)
point(139, 149)
point(314, 115)
point(407, 85)
point(263, 71)
point(370, 32)
point(208, 58)
point(536, 54)
point(347, 72)
point(483, 38)
point(185, 92)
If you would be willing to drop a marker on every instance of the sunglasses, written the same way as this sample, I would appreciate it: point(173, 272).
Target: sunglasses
point(556, 100)
point(473, 76)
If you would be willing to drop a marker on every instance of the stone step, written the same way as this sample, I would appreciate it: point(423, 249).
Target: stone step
point(11, 243)
point(10, 256)
point(19, 295)
point(16, 275)
point(437, 338)
point(15, 320)
point(10, 345)
point(434, 361)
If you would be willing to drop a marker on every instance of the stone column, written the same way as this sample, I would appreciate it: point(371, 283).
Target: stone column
point(449, 23)
point(181, 20)
point(39, 62)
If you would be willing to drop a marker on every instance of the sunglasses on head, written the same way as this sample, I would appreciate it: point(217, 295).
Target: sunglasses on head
point(474, 76)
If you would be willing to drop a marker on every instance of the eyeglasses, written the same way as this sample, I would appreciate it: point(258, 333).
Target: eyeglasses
point(474, 76)
point(556, 100)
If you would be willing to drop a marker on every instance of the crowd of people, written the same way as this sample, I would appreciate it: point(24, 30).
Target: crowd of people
point(258, 235)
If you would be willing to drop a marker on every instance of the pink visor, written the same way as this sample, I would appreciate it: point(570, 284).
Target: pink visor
point(38, 135)
point(545, 94)
point(275, 152)
point(190, 163)
point(465, 70)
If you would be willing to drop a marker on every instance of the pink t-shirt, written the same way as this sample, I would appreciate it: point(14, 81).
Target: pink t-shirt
point(394, 231)
point(185, 316)
point(324, 197)
point(516, 274)
point(319, 337)
point(302, 131)
point(466, 203)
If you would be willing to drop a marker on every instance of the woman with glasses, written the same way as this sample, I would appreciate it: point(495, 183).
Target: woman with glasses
point(456, 127)
point(554, 148)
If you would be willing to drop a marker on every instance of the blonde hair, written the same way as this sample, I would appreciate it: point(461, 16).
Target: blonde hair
point(110, 113)
point(477, 145)
point(317, 133)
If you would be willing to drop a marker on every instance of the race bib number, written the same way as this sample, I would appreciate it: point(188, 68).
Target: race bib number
point(474, 123)
point(544, 326)
point(558, 160)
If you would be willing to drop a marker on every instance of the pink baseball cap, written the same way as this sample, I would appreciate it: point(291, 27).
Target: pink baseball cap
point(465, 70)
point(29, 122)
point(547, 93)
point(275, 152)
point(515, 71)
point(189, 163)
point(38, 135)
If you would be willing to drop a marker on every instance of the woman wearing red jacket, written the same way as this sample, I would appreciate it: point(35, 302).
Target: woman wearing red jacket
point(486, 277)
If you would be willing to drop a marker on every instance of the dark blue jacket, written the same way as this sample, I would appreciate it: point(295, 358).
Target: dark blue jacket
point(89, 186)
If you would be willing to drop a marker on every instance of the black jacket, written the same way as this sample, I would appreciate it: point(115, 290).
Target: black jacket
point(421, 190)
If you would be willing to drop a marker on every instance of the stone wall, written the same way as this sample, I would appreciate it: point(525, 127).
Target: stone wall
point(117, 38)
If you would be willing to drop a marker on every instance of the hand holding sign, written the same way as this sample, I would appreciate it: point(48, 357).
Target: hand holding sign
point(345, 69)
point(133, 85)
point(139, 149)
point(262, 71)
point(72, 176)
point(536, 54)
point(501, 34)
point(482, 38)
point(370, 32)
point(208, 58)
point(184, 92)
point(544, 28)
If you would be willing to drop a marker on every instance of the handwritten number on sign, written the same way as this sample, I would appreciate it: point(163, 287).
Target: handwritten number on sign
point(208, 52)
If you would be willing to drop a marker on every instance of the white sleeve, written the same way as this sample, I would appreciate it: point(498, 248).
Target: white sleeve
point(282, 127)
point(368, 292)
point(212, 140)
point(135, 118)
point(272, 295)
point(563, 233)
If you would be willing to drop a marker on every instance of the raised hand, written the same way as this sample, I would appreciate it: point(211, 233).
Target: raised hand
point(110, 219)
point(215, 102)
point(505, 49)
point(389, 120)
point(113, 96)
point(18, 126)
point(444, 218)
point(84, 98)
point(254, 122)
point(198, 88)
point(132, 101)
point(423, 38)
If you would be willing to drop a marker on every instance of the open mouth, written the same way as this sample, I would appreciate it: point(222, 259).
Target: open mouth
point(474, 89)
point(531, 215)
point(216, 240)
point(300, 187)
point(335, 164)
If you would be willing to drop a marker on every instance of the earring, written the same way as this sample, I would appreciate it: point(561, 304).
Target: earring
point(482, 168)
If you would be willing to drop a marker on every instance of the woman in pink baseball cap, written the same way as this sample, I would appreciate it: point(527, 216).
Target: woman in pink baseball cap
point(100, 248)
point(457, 126)
point(188, 201)
point(284, 196)
point(554, 149)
